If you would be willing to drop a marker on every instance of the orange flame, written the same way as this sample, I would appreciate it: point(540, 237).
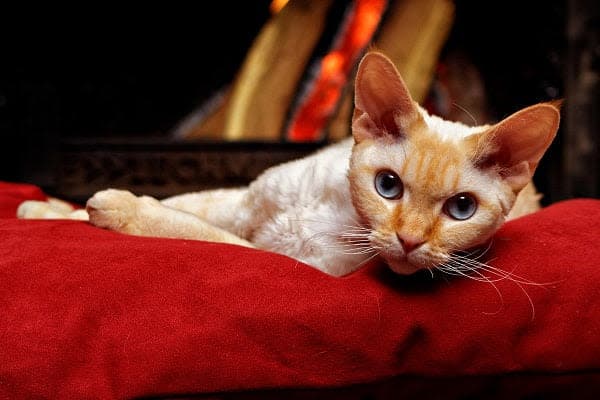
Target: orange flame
point(314, 112)
point(277, 5)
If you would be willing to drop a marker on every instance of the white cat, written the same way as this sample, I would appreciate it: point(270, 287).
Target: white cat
point(410, 188)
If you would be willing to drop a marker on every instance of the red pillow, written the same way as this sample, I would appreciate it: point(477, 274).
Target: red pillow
point(88, 313)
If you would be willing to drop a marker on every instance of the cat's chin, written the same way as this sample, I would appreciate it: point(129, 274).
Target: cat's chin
point(402, 267)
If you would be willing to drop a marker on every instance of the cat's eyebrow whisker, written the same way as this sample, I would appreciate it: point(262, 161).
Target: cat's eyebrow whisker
point(466, 112)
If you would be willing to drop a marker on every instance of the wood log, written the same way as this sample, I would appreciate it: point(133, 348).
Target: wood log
point(412, 36)
point(269, 78)
point(206, 122)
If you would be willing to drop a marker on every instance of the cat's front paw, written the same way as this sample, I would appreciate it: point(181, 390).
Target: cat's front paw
point(50, 209)
point(33, 209)
point(114, 209)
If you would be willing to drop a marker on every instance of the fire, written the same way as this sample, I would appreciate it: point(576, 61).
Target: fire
point(277, 5)
point(314, 111)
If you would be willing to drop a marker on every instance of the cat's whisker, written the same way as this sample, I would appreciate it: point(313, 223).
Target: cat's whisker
point(475, 266)
point(353, 240)
point(357, 253)
point(509, 276)
point(515, 278)
point(466, 112)
point(356, 227)
point(456, 272)
point(356, 241)
point(430, 270)
point(491, 282)
point(450, 268)
point(348, 245)
point(473, 254)
point(502, 274)
point(359, 250)
point(486, 250)
point(352, 248)
point(366, 260)
point(354, 237)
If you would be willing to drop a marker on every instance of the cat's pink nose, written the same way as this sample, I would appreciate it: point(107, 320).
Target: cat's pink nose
point(409, 243)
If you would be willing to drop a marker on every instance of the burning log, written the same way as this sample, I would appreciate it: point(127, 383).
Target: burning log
point(296, 83)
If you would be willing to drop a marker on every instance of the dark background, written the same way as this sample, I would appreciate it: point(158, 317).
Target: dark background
point(112, 72)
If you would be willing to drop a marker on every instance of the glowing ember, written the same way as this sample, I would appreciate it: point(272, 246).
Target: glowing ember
point(316, 108)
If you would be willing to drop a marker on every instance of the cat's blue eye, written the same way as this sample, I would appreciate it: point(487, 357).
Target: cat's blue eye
point(389, 185)
point(461, 206)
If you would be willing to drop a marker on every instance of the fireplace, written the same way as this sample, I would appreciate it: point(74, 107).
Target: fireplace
point(295, 84)
point(291, 95)
point(183, 100)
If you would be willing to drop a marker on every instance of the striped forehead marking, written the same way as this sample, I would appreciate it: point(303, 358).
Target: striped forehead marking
point(433, 165)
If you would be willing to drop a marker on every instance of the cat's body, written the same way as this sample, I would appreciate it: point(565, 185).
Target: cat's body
point(401, 188)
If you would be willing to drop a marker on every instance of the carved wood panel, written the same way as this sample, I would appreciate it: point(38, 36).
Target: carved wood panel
point(165, 169)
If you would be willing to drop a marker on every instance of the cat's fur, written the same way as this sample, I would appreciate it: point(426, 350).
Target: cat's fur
point(325, 209)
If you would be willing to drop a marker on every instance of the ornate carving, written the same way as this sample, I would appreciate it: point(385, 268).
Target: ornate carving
point(165, 169)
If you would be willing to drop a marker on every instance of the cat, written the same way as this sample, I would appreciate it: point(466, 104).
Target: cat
point(408, 188)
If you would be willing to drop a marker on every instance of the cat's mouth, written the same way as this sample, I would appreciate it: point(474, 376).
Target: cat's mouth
point(407, 264)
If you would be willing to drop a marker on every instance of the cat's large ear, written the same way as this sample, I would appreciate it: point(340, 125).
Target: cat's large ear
point(516, 144)
point(382, 102)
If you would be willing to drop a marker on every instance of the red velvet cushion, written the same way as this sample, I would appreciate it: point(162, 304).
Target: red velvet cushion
point(88, 313)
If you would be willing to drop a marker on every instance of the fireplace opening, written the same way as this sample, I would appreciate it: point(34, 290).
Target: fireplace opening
point(167, 100)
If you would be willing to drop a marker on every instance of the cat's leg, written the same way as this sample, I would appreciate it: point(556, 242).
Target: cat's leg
point(50, 209)
point(214, 206)
point(122, 211)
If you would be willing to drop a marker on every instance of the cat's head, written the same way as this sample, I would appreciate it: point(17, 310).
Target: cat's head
point(427, 187)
